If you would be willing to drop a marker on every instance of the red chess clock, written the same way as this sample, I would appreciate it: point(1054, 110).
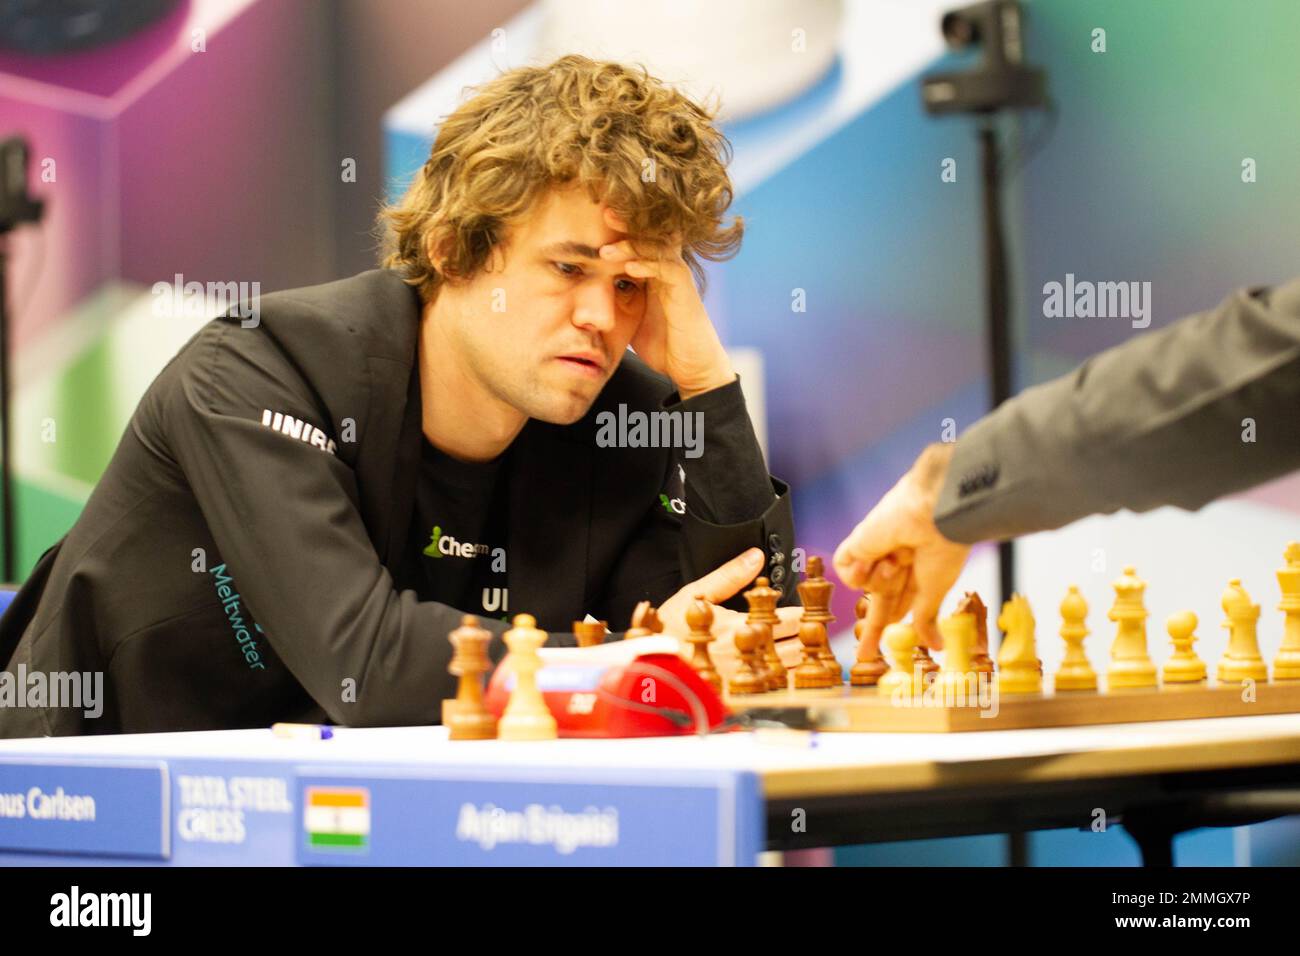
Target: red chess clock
point(633, 688)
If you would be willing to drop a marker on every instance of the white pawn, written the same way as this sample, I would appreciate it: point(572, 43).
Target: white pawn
point(900, 679)
point(526, 716)
point(1184, 667)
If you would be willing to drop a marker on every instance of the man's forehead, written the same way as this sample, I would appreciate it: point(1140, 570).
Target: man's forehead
point(558, 214)
point(571, 249)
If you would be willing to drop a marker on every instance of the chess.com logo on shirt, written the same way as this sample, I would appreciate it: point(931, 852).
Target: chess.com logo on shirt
point(445, 545)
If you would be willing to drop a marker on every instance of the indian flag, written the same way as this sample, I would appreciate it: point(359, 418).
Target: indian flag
point(337, 818)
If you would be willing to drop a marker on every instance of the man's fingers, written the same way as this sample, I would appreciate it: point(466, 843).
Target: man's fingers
point(925, 611)
point(853, 573)
point(725, 622)
point(877, 534)
point(859, 574)
point(903, 602)
point(725, 581)
point(789, 623)
point(927, 632)
point(864, 570)
point(887, 579)
point(648, 341)
point(625, 250)
point(853, 559)
point(790, 652)
point(644, 268)
point(620, 251)
point(671, 277)
point(881, 613)
point(885, 572)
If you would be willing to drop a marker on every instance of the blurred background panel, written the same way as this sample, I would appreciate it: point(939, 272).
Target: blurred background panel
point(224, 141)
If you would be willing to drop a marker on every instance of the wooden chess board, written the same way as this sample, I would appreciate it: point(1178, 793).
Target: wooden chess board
point(866, 710)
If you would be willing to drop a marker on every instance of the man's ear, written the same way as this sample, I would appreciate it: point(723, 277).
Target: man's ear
point(496, 260)
point(437, 253)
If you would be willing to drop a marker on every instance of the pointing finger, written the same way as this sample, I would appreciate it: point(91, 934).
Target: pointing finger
point(727, 580)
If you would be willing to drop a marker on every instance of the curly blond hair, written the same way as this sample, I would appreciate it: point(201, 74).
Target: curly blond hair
point(644, 149)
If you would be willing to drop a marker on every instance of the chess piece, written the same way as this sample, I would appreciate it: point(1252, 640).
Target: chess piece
point(811, 672)
point(762, 669)
point(971, 604)
point(1287, 665)
point(1076, 672)
point(870, 633)
point(590, 633)
point(468, 718)
point(829, 661)
point(815, 595)
point(747, 680)
point(699, 619)
point(778, 678)
point(900, 679)
point(762, 614)
point(1019, 669)
point(924, 664)
point(645, 621)
point(870, 665)
point(1242, 660)
point(1130, 664)
point(957, 681)
point(1184, 667)
point(526, 716)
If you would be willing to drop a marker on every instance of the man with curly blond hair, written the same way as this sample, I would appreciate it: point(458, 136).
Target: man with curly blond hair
point(306, 504)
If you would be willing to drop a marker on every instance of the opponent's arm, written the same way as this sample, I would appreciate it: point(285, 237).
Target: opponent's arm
point(1160, 420)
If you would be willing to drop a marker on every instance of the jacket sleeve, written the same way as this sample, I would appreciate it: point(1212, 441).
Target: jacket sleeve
point(1200, 409)
point(717, 501)
point(284, 514)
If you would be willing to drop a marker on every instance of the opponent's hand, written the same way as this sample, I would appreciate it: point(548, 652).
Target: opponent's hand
point(676, 336)
point(898, 554)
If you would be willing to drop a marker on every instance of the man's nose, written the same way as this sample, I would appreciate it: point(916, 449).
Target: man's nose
point(595, 308)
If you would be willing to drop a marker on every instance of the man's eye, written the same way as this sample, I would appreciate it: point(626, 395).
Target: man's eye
point(628, 286)
point(567, 269)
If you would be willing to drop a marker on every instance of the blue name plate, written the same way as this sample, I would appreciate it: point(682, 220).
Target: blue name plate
point(481, 817)
point(80, 807)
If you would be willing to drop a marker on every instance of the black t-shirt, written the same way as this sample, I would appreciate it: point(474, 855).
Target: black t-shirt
point(456, 546)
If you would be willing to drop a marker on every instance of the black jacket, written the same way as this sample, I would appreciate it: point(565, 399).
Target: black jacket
point(225, 573)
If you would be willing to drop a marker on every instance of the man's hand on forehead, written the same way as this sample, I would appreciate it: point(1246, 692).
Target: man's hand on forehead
point(630, 249)
point(676, 336)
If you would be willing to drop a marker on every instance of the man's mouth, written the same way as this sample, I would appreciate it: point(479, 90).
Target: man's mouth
point(584, 363)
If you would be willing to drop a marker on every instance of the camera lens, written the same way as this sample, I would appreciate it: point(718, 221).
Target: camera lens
point(958, 30)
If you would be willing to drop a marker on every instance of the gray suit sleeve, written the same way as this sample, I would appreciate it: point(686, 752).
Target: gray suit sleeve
point(1205, 407)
